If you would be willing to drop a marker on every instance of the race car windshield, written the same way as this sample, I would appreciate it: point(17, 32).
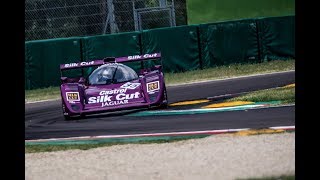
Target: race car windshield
point(112, 73)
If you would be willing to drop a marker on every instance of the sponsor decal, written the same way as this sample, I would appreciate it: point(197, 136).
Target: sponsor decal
point(142, 56)
point(120, 97)
point(130, 85)
point(134, 57)
point(153, 86)
point(113, 91)
point(77, 64)
point(72, 96)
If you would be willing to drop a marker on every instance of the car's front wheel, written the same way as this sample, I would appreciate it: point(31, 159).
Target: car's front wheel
point(67, 118)
point(164, 104)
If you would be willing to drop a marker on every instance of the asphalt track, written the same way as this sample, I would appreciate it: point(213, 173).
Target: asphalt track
point(44, 120)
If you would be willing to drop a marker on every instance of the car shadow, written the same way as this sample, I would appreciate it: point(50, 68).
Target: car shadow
point(107, 114)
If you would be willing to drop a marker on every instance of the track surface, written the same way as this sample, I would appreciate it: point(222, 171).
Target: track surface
point(44, 120)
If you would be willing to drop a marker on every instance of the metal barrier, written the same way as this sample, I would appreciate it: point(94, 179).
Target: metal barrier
point(48, 19)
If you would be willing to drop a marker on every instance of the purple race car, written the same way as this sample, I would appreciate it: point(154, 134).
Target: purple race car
point(112, 86)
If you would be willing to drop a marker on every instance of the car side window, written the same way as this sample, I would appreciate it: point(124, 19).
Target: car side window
point(124, 73)
point(102, 75)
point(114, 73)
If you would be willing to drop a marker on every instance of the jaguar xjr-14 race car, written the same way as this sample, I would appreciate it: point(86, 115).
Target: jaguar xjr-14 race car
point(112, 86)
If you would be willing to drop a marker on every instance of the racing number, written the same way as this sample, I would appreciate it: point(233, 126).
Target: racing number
point(72, 96)
point(153, 86)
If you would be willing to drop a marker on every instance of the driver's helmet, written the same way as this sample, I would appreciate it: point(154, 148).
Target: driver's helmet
point(106, 74)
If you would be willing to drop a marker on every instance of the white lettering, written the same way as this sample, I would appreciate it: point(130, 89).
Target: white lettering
point(127, 96)
point(134, 57)
point(105, 99)
point(114, 91)
point(144, 56)
point(136, 95)
point(121, 97)
point(99, 99)
point(86, 63)
point(92, 100)
point(71, 65)
point(112, 103)
point(150, 55)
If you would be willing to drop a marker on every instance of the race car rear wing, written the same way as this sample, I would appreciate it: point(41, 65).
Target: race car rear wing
point(125, 59)
point(138, 58)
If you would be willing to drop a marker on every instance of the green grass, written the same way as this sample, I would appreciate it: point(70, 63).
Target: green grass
point(207, 11)
point(284, 94)
point(42, 94)
point(233, 70)
point(189, 76)
point(36, 148)
point(283, 177)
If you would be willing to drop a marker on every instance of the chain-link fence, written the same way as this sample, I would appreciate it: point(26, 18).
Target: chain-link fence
point(47, 19)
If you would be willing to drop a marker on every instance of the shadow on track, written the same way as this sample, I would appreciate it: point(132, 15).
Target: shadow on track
point(112, 114)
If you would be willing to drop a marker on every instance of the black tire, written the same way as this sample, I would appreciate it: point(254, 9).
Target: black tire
point(165, 94)
point(82, 116)
point(67, 118)
point(165, 104)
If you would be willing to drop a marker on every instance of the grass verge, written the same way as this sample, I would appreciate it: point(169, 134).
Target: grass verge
point(284, 94)
point(232, 70)
point(208, 11)
point(189, 76)
point(42, 94)
point(89, 144)
point(35, 148)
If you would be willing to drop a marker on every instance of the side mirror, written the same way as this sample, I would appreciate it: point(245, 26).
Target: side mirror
point(158, 67)
point(81, 80)
point(63, 79)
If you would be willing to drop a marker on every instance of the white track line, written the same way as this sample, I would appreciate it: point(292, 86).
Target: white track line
point(284, 127)
point(32, 102)
point(238, 77)
point(159, 134)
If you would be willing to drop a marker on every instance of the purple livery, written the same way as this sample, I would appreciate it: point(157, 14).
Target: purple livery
point(112, 86)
